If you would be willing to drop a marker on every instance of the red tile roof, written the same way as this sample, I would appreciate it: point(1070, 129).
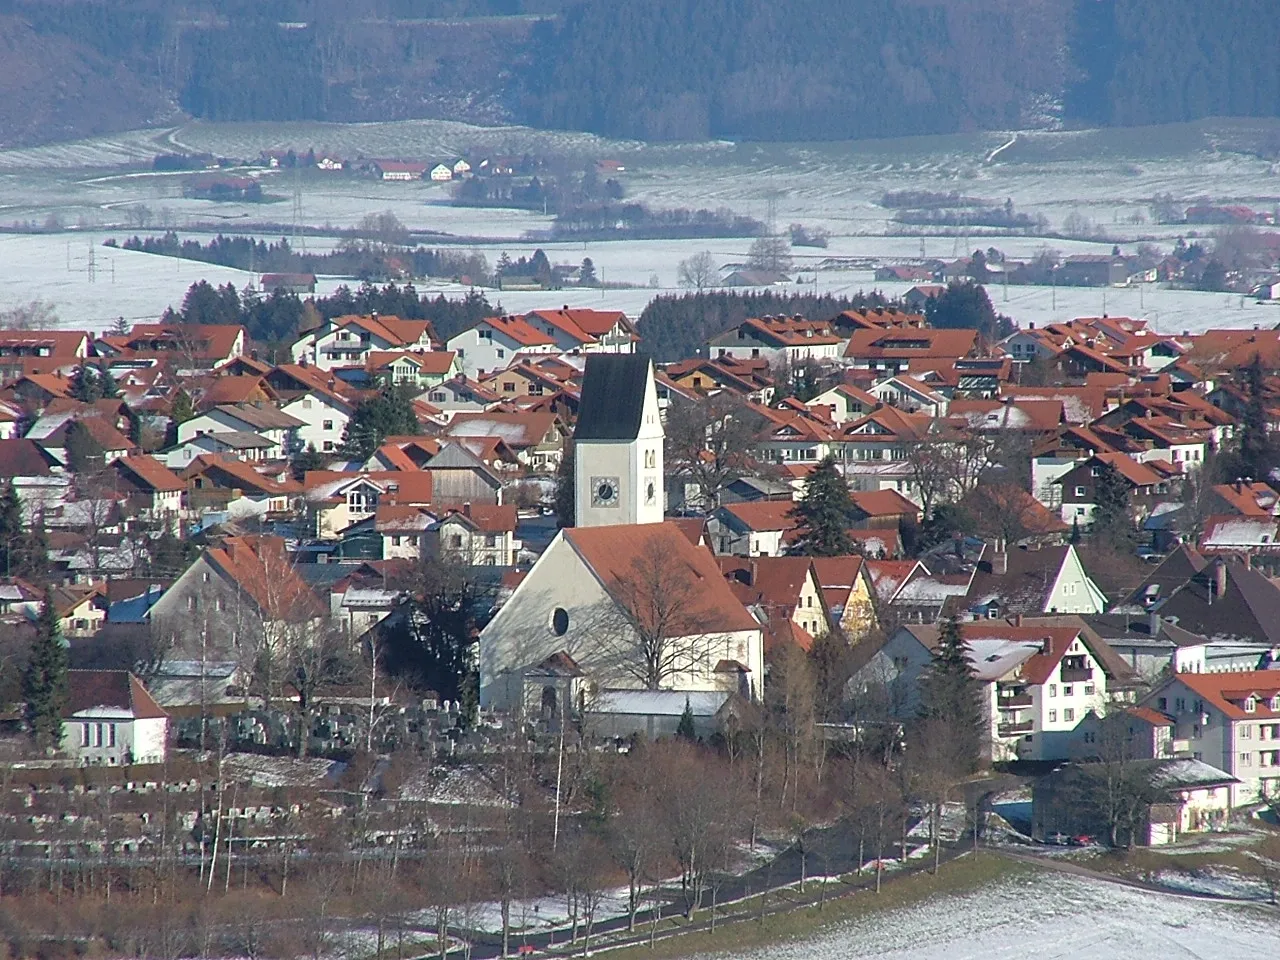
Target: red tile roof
point(117, 689)
point(1228, 691)
point(151, 472)
point(261, 567)
point(634, 560)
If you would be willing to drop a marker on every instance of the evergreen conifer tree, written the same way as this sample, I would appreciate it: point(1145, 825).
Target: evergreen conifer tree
point(44, 685)
point(1257, 454)
point(566, 504)
point(685, 728)
point(12, 532)
point(107, 386)
point(950, 693)
point(823, 513)
point(387, 414)
point(1111, 504)
point(86, 383)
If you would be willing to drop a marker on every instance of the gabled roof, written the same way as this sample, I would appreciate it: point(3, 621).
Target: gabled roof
point(261, 568)
point(150, 472)
point(907, 343)
point(260, 417)
point(522, 429)
point(25, 458)
point(1228, 692)
point(518, 329)
point(232, 473)
point(837, 576)
point(484, 517)
point(613, 396)
point(760, 515)
point(113, 689)
point(618, 555)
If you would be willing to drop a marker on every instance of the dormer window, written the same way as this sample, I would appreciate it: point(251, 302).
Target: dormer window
point(1274, 704)
point(1251, 704)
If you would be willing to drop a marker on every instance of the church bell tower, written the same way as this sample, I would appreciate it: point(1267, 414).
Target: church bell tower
point(618, 473)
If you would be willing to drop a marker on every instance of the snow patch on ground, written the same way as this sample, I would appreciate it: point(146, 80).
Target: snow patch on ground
point(1047, 915)
point(263, 771)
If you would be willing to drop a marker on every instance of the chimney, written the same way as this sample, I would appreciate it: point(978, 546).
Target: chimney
point(466, 509)
point(1153, 625)
point(755, 573)
point(1031, 325)
point(999, 558)
point(1239, 485)
point(1017, 620)
point(1046, 645)
point(1219, 579)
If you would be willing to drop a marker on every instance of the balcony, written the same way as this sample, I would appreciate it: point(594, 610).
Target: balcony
point(1077, 675)
point(1015, 729)
point(1015, 701)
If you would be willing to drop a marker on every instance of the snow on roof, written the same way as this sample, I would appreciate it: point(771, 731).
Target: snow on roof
point(1190, 773)
point(993, 658)
point(662, 703)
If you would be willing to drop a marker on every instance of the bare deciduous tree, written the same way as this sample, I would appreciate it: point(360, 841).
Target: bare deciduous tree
point(713, 443)
point(659, 628)
point(699, 271)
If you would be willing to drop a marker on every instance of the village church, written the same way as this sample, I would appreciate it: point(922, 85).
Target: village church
point(623, 600)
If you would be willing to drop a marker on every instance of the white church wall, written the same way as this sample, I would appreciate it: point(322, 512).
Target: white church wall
point(524, 633)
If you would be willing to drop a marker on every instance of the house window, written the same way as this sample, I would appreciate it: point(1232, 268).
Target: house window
point(327, 425)
point(1079, 491)
point(84, 734)
point(501, 353)
point(1066, 690)
point(508, 388)
point(1068, 714)
point(1053, 689)
point(560, 621)
point(395, 541)
point(490, 541)
point(191, 602)
point(1246, 760)
point(306, 403)
point(111, 734)
point(1088, 689)
point(1251, 704)
point(205, 576)
point(97, 734)
point(437, 397)
point(1053, 716)
point(1246, 732)
point(455, 541)
point(328, 445)
point(219, 604)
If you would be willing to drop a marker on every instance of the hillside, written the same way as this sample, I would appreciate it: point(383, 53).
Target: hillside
point(652, 69)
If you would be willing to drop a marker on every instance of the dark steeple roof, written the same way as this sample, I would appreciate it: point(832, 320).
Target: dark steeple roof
point(612, 406)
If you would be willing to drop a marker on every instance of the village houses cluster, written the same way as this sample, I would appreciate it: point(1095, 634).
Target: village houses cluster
point(663, 594)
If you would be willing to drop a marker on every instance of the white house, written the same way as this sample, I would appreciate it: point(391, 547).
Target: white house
point(585, 331)
point(318, 400)
point(908, 393)
point(481, 534)
point(1229, 720)
point(347, 341)
point(268, 422)
point(110, 719)
point(779, 340)
point(441, 173)
point(496, 342)
point(1040, 680)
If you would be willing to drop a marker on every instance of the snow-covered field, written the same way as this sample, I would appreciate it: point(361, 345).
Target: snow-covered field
point(96, 187)
point(1047, 915)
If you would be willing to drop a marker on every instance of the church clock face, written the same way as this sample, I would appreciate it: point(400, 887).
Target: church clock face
point(604, 491)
